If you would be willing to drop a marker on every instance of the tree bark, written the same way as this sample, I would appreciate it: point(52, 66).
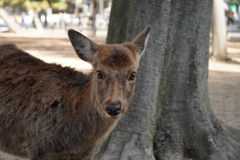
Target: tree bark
point(219, 31)
point(170, 117)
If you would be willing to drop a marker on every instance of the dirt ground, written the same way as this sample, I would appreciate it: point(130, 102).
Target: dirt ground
point(224, 86)
point(224, 77)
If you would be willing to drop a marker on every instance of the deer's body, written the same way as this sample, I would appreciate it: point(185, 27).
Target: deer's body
point(52, 112)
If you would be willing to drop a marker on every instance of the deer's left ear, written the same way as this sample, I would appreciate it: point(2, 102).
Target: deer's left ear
point(140, 42)
point(84, 47)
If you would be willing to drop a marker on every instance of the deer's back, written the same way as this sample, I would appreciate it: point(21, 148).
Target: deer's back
point(33, 97)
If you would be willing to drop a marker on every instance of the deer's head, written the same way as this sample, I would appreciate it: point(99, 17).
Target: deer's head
point(114, 69)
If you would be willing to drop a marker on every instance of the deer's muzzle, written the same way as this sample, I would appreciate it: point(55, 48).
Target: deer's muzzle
point(113, 109)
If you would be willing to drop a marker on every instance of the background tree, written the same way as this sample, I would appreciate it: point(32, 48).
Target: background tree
point(36, 6)
point(170, 117)
point(233, 2)
point(219, 31)
point(13, 27)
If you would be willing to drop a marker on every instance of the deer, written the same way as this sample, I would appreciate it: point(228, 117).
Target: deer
point(50, 112)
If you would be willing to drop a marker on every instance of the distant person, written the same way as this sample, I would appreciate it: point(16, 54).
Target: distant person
point(63, 19)
point(230, 15)
point(79, 20)
point(92, 23)
point(105, 19)
point(16, 18)
point(23, 19)
point(85, 7)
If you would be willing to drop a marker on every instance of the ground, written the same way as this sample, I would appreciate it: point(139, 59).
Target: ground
point(224, 77)
point(224, 85)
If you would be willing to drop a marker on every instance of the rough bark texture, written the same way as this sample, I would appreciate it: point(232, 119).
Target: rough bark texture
point(219, 31)
point(170, 116)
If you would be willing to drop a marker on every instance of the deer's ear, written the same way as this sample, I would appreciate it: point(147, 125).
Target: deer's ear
point(84, 47)
point(140, 42)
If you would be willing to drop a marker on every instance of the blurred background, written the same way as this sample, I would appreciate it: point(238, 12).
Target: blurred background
point(89, 16)
point(57, 16)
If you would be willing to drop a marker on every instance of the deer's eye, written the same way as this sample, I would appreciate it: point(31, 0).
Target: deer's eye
point(99, 75)
point(132, 76)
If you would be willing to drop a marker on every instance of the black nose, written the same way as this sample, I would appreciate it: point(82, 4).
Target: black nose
point(113, 110)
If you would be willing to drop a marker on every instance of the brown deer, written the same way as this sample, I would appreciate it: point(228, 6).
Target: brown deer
point(50, 112)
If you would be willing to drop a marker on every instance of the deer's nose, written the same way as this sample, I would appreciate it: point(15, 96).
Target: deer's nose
point(113, 109)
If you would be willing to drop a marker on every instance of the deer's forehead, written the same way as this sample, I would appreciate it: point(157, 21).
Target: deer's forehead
point(117, 56)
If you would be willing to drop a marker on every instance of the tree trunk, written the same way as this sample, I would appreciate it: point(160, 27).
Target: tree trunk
point(13, 27)
point(219, 31)
point(37, 22)
point(170, 117)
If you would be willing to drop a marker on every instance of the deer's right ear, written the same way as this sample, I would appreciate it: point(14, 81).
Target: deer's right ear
point(84, 47)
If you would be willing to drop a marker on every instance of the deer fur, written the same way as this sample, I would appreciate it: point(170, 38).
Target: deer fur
point(50, 112)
